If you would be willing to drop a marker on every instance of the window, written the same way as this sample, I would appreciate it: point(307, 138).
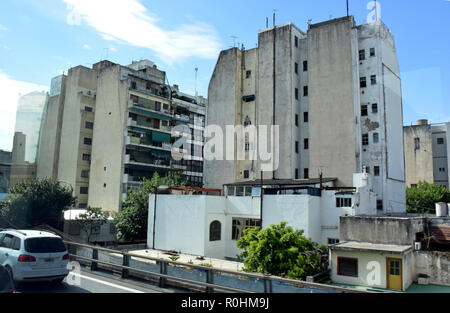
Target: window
point(305, 66)
point(305, 117)
point(374, 108)
point(296, 93)
point(88, 141)
point(296, 68)
point(362, 55)
point(347, 267)
point(332, 241)
point(86, 157)
point(241, 224)
point(7, 240)
point(379, 205)
point(248, 74)
point(15, 245)
point(305, 91)
point(84, 190)
point(373, 79)
point(246, 174)
point(343, 202)
point(416, 143)
point(362, 82)
point(44, 245)
point(296, 120)
point(440, 141)
point(88, 109)
point(296, 41)
point(306, 144)
point(296, 174)
point(364, 110)
point(133, 85)
point(306, 173)
point(89, 125)
point(365, 139)
point(215, 229)
point(296, 147)
point(372, 52)
point(82, 205)
point(376, 138)
point(376, 171)
point(85, 174)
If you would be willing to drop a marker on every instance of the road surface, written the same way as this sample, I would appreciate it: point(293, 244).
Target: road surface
point(85, 281)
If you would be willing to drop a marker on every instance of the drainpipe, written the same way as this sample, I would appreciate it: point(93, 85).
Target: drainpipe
point(261, 202)
point(154, 216)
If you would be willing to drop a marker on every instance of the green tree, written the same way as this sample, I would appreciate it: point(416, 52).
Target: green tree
point(131, 222)
point(36, 202)
point(92, 219)
point(282, 251)
point(422, 199)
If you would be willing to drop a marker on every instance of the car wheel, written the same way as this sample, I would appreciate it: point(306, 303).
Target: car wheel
point(10, 272)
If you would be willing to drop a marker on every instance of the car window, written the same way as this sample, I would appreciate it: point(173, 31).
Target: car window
point(1, 238)
point(44, 245)
point(15, 243)
point(7, 240)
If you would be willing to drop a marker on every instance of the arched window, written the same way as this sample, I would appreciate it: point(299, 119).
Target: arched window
point(215, 229)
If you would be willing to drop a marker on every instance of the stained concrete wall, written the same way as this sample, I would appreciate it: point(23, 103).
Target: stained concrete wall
point(331, 102)
point(382, 230)
point(223, 94)
point(434, 264)
point(50, 134)
point(419, 162)
point(108, 140)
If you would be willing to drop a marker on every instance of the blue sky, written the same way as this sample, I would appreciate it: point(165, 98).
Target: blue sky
point(41, 38)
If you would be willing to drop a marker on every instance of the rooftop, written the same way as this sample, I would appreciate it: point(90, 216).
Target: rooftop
point(283, 182)
point(370, 247)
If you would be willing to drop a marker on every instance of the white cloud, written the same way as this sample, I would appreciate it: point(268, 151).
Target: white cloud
point(11, 90)
point(128, 21)
point(112, 49)
point(87, 47)
point(3, 28)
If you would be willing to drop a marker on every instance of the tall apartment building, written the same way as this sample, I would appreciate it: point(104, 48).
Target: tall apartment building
point(335, 93)
point(106, 128)
point(190, 111)
point(427, 151)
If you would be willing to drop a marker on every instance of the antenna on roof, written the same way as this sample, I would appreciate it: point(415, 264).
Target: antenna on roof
point(196, 72)
point(347, 8)
point(234, 40)
point(267, 22)
point(274, 15)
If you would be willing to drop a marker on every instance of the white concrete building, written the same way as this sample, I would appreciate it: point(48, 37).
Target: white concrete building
point(334, 91)
point(211, 225)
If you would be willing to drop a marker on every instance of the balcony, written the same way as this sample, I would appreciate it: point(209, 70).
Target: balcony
point(152, 110)
point(147, 142)
point(148, 125)
point(147, 161)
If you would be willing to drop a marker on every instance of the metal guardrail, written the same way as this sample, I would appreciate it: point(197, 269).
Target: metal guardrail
point(208, 284)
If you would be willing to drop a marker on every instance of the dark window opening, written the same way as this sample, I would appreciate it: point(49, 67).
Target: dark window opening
point(362, 82)
point(306, 144)
point(296, 120)
point(347, 267)
point(440, 141)
point(305, 117)
point(364, 110)
point(365, 139)
point(373, 79)
point(416, 143)
point(376, 171)
point(215, 230)
point(305, 91)
point(375, 108)
point(88, 141)
point(306, 173)
point(248, 74)
point(372, 52)
point(362, 55)
point(305, 66)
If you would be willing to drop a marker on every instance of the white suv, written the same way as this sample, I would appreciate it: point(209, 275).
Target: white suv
point(30, 255)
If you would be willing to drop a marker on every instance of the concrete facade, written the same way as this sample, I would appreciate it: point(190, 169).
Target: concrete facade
point(311, 85)
point(426, 153)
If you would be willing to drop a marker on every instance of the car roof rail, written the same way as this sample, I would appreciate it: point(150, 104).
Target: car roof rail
point(17, 231)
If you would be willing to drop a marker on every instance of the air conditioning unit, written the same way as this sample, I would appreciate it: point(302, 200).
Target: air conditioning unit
point(418, 246)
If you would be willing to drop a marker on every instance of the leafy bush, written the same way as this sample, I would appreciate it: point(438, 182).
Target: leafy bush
point(422, 199)
point(282, 251)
